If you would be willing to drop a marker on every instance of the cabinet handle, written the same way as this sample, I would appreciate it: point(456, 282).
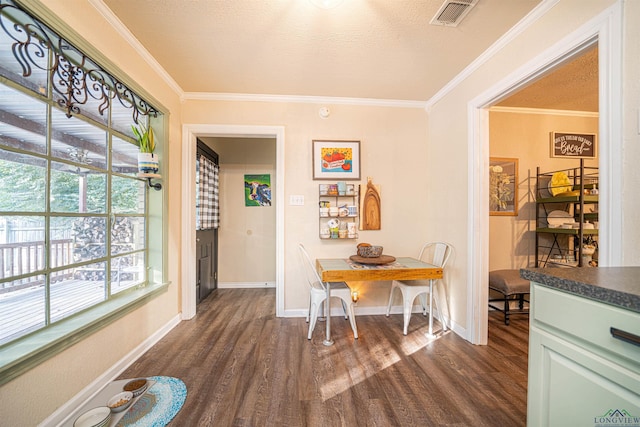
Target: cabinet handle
point(625, 336)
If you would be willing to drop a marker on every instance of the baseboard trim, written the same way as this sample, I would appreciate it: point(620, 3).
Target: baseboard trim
point(62, 414)
point(382, 311)
point(336, 310)
point(245, 285)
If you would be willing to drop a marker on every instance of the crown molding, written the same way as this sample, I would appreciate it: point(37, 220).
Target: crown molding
point(506, 38)
point(115, 22)
point(522, 25)
point(121, 29)
point(300, 99)
point(544, 111)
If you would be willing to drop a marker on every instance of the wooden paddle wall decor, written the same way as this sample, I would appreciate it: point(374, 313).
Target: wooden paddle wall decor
point(370, 203)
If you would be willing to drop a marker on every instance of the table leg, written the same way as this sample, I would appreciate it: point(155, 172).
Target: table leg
point(327, 307)
point(431, 307)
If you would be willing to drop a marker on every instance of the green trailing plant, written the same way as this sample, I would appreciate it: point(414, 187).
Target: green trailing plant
point(145, 138)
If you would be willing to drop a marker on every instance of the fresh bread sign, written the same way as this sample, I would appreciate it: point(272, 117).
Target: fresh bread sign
point(575, 145)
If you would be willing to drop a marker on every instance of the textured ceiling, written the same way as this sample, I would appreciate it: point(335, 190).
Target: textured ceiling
point(573, 86)
point(380, 49)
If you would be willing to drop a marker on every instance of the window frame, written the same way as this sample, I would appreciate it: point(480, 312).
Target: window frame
point(21, 355)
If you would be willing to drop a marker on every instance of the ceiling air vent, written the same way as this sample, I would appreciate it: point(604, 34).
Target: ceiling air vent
point(452, 12)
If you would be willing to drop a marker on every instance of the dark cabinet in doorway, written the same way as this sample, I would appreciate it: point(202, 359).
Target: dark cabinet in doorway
point(206, 260)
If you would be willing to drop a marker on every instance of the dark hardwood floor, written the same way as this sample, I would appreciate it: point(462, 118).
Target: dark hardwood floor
point(244, 367)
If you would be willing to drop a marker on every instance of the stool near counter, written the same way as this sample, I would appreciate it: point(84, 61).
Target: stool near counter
point(512, 287)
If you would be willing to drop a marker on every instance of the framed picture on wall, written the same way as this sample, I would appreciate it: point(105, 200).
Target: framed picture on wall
point(257, 190)
point(336, 160)
point(503, 186)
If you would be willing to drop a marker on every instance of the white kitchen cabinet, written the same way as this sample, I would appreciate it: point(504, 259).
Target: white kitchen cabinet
point(579, 374)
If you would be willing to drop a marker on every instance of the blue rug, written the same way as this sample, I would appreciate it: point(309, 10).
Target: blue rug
point(158, 405)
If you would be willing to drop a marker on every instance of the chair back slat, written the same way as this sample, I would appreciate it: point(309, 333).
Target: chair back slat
point(439, 251)
point(309, 271)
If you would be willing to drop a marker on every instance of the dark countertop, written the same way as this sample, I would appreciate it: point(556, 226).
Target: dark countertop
point(618, 286)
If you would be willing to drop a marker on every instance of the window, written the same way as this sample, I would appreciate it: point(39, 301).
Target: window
point(74, 215)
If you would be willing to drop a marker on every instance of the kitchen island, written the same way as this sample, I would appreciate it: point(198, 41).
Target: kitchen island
point(584, 346)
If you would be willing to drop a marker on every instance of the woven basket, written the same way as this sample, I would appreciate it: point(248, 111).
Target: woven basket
point(370, 251)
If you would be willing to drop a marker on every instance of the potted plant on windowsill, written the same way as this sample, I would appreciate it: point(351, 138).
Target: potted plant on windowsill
point(147, 161)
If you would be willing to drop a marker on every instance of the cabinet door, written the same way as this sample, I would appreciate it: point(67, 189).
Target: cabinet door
point(569, 386)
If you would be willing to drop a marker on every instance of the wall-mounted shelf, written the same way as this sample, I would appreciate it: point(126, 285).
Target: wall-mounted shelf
point(341, 206)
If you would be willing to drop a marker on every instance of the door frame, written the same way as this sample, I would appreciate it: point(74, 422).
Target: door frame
point(606, 30)
point(190, 132)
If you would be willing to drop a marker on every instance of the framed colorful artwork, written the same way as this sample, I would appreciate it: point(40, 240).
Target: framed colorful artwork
point(336, 160)
point(257, 190)
point(503, 186)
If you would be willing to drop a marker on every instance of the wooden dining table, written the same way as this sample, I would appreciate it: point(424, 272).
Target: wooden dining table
point(346, 270)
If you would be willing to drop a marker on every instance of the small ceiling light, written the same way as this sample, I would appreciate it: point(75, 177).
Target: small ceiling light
point(326, 4)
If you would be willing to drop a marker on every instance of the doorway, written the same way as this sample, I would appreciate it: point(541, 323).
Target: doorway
point(519, 130)
point(565, 99)
point(188, 248)
point(247, 235)
point(606, 31)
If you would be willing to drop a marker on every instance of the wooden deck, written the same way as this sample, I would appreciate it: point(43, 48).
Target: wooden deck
point(23, 310)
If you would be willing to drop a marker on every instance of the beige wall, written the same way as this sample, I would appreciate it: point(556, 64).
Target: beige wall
point(392, 151)
point(631, 135)
point(247, 235)
point(449, 132)
point(525, 137)
point(422, 170)
point(32, 397)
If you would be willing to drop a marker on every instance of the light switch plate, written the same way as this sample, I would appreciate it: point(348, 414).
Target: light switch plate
point(296, 200)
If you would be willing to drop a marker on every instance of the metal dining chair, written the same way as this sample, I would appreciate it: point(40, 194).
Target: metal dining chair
point(437, 254)
point(318, 294)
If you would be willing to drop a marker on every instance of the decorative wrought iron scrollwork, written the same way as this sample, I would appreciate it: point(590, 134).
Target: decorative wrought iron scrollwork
point(30, 42)
point(74, 77)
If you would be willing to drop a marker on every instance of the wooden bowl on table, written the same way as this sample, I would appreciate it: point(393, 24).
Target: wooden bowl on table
point(366, 250)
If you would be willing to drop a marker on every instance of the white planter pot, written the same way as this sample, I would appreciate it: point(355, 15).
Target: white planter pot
point(148, 163)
